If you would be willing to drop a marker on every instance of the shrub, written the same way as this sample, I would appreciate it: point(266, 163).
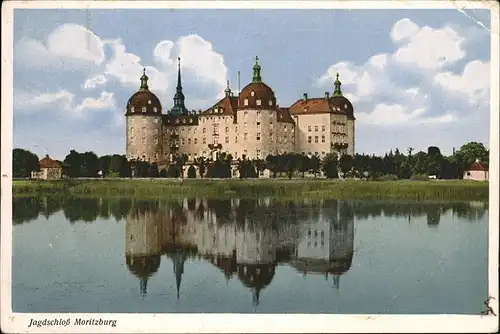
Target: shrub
point(419, 177)
point(191, 173)
point(387, 177)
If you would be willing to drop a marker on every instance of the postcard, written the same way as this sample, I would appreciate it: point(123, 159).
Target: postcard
point(249, 166)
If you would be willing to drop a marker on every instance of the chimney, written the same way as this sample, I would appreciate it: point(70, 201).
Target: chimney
point(47, 156)
point(327, 95)
point(305, 96)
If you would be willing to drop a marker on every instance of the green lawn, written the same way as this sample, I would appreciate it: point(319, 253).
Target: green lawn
point(283, 188)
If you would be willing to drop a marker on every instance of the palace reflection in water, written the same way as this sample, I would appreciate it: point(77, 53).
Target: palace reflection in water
point(246, 239)
point(282, 256)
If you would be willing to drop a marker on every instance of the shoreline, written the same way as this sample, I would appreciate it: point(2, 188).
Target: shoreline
point(309, 188)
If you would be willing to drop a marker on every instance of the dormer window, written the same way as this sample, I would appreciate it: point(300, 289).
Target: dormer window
point(245, 102)
point(345, 106)
point(143, 109)
point(132, 109)
point(155, 109)
point(270, 102)
point(252, 93)
point(149, 102)
point(259, 102)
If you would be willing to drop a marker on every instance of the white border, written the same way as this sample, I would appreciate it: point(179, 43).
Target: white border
point(236, 323)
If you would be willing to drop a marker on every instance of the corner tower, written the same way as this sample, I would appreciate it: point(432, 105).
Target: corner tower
point(143, 125)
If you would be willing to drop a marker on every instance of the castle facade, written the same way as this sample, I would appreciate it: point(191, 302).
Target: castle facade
point(249, 124)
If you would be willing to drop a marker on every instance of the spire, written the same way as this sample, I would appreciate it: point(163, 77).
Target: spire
point(144, 80)
point(337, 83)
point(179, 107)
point(179, 84)
point(178, 270)
point(256, 71)
point(228, 89)
point(144, 286)
point(256, 296)
point(336, 281)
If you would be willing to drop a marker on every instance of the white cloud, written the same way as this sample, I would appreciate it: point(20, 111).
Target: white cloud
point(403, 30)
point(68, 46)
point(105, 101)
point(473, 83)
point(397, 114)
point(379, 61)
point(32, 101)
point(95, 81)
point(426, 47)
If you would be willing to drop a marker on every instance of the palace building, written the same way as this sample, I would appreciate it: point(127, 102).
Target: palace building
point(250, 123)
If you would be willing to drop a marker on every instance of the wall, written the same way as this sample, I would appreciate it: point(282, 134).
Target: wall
point(144, 138)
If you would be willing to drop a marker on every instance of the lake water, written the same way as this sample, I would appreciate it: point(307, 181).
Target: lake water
point(267, 256)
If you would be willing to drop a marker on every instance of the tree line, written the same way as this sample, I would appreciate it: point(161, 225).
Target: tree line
point(392, 165)
point(26, 209)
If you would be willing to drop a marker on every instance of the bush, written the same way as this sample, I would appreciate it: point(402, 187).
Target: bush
point(174, 171)
point(387, 177)
point(419, 177)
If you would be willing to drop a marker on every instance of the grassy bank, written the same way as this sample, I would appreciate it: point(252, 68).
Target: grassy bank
point(296, 188)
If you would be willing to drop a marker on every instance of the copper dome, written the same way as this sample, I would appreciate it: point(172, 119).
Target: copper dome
point(257, 94)
point(144, 102)
point(256, 275)
point(143, 266)
point(342, 104)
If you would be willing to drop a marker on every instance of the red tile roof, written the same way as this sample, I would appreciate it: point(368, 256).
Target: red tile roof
point(323, 105)
point(478, 166)
point(47, 162)
point(284, 115)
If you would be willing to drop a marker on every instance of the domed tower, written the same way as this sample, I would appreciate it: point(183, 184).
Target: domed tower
point(257, 117)
point(339, 103)
point(256, 277)
point(144, 125)
point(143, 243)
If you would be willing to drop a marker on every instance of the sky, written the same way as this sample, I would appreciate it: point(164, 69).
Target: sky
point(416, 77)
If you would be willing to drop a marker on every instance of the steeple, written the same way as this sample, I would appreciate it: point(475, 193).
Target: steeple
point(144, 286)
point(256, 296)
point(337, 83)
point(228, 89)
point(179, 107)
point(178, 260)
point(144, 80)
point(256, 71)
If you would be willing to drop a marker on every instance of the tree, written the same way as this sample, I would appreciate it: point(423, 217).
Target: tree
point(346, 163)
point(329, 166)
point(290, 164)
point(272, 164)
point(303, 163)
point(201, 163)
point(72, 164)
point(24, 162)
point(315, 164)
point(89, 164)
point(470, 152)
point(260, 166)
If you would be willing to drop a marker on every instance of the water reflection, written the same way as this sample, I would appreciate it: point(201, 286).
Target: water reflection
point(248, 241)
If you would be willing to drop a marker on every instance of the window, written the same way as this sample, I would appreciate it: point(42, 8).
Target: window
point(258, 124)
point(245, 102)
point(227, 129)
point(252, 93)
point(156, 141)
point(236, 139)
point(204, 130)
point(285, 129)
point(143, 109)
point(258, 154)
point(259, 102)
point(322, 139)
point(227, 140)
point(285, 140)
point(323, 153)
point(144, 140)
point(196, 140)
point(271, 125)
point(245, 124)
point(270, 102)
point(183, 129)
point(204, 140)
point(245, 136)
point(315, 139)
point(131, 129)
point(309, 139)
point(182, 141)
point(245, 114)
point(258, 113)
point(315, 128)
point(309, 128)
point(155, 109)
point(236, 129)
point(189, 141)
point(258, 136)
point(132, 109)
point(323, 128)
